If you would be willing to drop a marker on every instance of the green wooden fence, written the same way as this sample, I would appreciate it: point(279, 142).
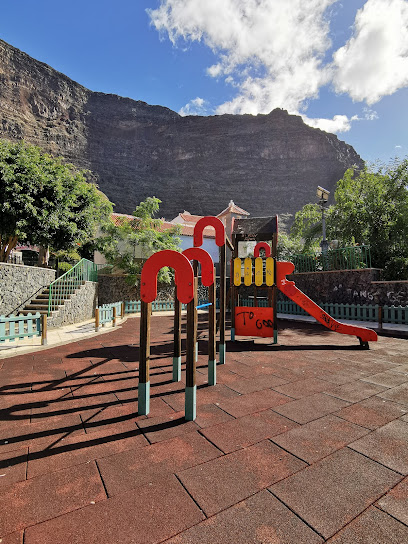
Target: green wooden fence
point(23, 326)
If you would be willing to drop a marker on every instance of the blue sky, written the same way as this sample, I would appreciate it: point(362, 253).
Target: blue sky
point(341, 64)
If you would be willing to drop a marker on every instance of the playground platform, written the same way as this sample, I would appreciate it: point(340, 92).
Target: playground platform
point(302, 442)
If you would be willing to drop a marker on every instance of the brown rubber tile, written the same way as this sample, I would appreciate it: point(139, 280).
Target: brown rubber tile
point(253, 402)
point(132, 469)
point(36, 500)
point(165, 427)
point(304, 388)
point(356, 391)
point(261, 519)
point(389, 378)
point(319, 438)
point(223, 482)
point(333, 491)
point(395, 502)
point(372, 413)
point(310, 408)
point(244, 431)
point(155, 513)
point(209, 415)
point(372, 527)
point(388, 445)
point(397, 394)
point(54, 455)
point(13, 467)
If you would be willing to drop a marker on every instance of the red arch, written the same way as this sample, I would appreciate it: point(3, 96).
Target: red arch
point(184, 275)
point(265, 246)
point(207, 264)
point(209, 221)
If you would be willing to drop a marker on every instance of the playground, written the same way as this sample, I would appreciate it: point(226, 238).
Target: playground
point(300, 442)
point(197, 427)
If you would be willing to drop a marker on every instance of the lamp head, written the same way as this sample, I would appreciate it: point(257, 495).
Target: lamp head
point(322, 194)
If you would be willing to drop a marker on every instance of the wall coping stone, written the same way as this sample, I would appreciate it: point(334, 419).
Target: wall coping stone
point(26, 266)
point(334, 271)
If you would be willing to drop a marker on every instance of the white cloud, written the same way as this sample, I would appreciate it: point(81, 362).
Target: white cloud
point(272, 48)
point(274, 52)
point(374, 62)
point(339, 123)
point(194, 107)
point(398, 146)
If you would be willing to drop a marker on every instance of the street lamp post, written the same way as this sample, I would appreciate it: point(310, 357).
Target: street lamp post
point(323, 196)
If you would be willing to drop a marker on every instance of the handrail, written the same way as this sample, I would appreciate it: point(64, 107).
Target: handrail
point(344, 258)
point(67, 284)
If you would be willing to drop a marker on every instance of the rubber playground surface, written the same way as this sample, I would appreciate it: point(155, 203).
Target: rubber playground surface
point(303, 442)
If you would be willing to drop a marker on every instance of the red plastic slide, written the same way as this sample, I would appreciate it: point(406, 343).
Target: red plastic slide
point(290, 290)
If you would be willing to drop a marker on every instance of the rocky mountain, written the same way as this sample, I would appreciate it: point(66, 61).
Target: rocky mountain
point(267, 164)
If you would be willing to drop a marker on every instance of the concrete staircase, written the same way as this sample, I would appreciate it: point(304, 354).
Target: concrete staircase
point(40, 302)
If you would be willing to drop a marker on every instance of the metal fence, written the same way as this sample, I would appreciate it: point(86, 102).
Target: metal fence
point(345, 258)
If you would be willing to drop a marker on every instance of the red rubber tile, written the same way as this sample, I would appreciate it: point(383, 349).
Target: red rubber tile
point(372, 413)
point(153, 514)
point(244, 431)
point(263, 381)
point(220, 483)
point(304, 388)
point(13, 467)
point(209, 415)
point(333, 491)
point(165, 427)
point(387, 445)
point(319, 438)
point(397, 394)
point(389, 378)
point(33, 501)
point(253, 402)
point(261, 519)
point(373, 527)
point(40, 431)
point(355, 391)
point(132, 469)
point(205, 395)
point(395, 502)
point(310, 408)
point(13, 538)
point(55, 455)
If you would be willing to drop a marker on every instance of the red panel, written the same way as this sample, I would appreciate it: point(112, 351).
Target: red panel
point(295, 294)
point(207, 264)
point(209, 221)
point(253, 321)
point(184, 275)
point(265, 246)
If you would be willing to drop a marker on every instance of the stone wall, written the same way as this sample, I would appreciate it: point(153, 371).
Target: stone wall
point(80, 307)
point(345, 287)
point(19, 284)
point(115, 289)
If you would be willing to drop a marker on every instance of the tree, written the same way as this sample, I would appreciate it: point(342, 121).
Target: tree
point(128, 244)
point(371, 208)
point(44, 201)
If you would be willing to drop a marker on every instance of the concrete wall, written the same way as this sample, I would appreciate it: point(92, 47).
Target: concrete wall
point(19, 284)
point(80, 307)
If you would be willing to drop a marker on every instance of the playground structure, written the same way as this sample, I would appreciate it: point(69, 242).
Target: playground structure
point(261, 273)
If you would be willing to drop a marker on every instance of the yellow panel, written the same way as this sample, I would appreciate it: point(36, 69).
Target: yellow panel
point(237, 272)
point(270, 276)
point(248, 271)
point(258, 271)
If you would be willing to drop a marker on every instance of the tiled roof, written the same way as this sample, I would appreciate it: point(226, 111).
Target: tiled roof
point(189, 218)
point(233, 208)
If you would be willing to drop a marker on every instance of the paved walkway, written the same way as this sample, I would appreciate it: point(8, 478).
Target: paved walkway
point(304, 442)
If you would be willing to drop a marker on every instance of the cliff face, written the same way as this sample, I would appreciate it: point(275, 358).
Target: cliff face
point(267, 164)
